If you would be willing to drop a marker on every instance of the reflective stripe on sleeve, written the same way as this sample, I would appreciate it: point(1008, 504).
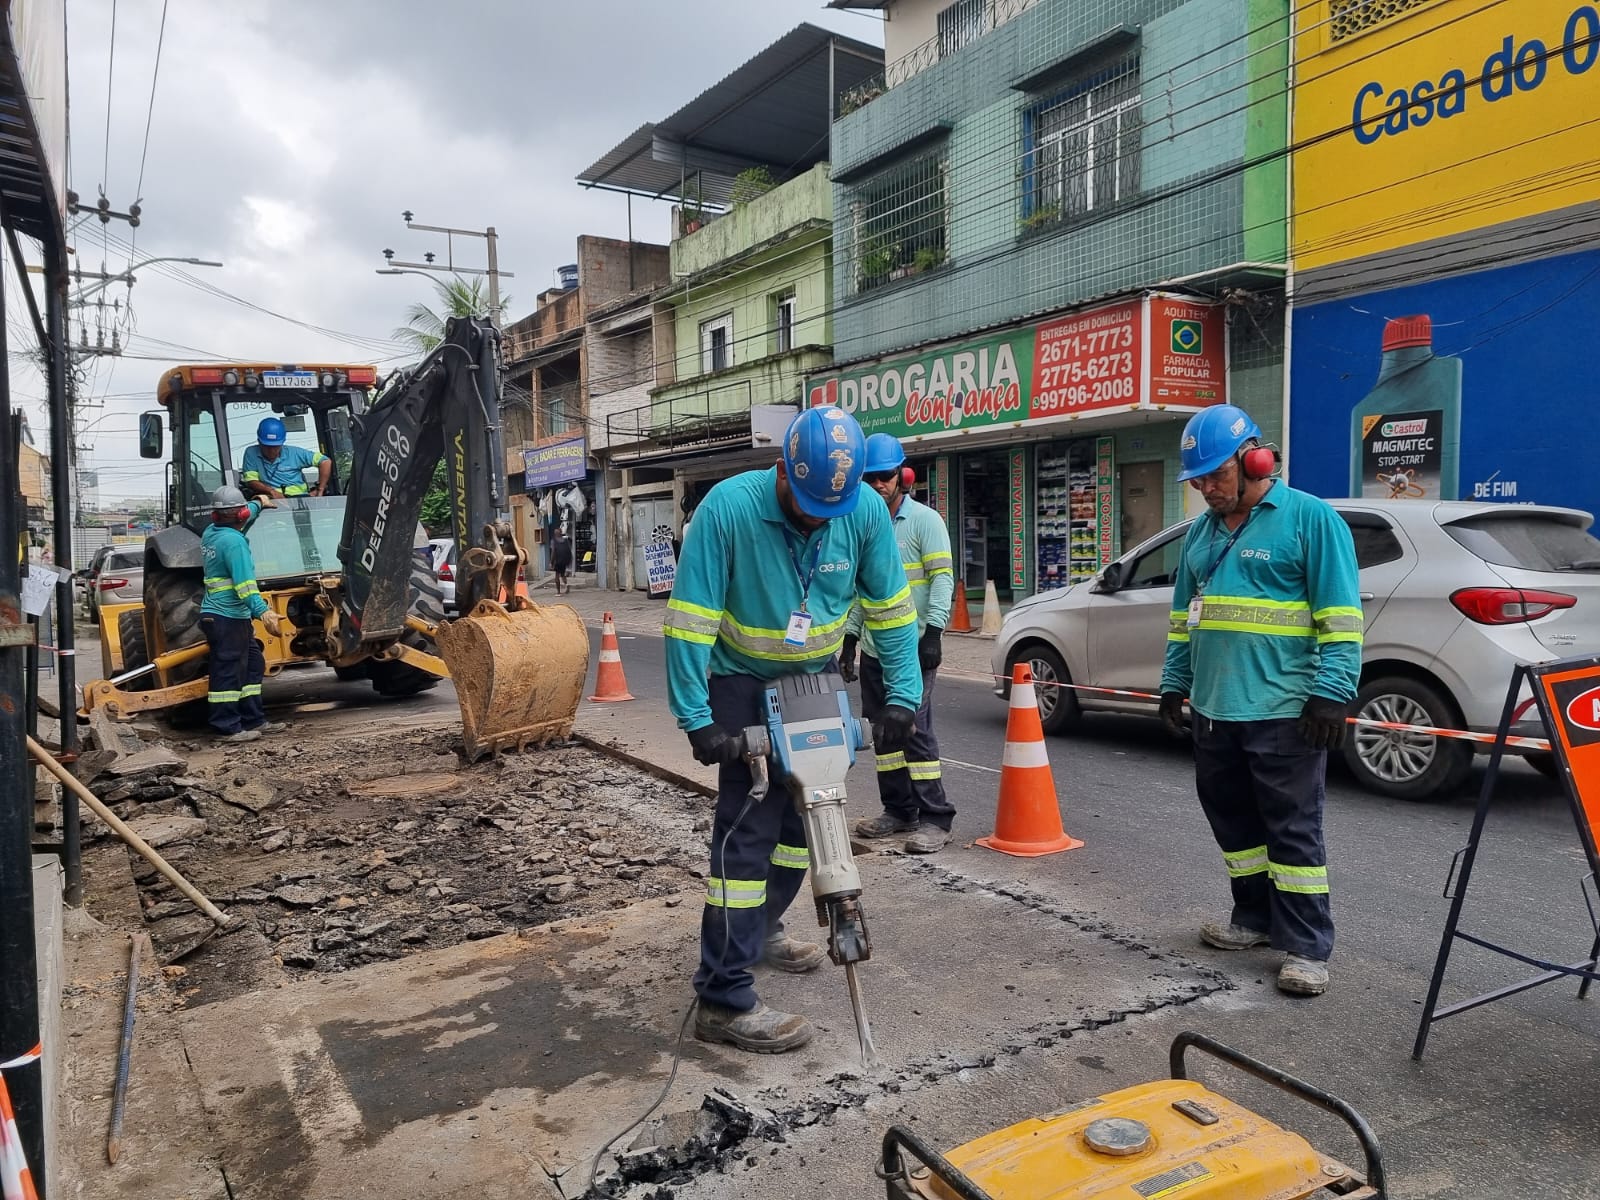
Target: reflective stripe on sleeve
point(691, 622)
point(1245, 862)
point(892, 613)
point(1339, 625)
point(736, 893)
point(1178, 628)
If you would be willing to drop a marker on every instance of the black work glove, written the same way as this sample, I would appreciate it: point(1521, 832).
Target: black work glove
point(1322, 722)
point(713, 747)
point(930, 650)
point(1172, 714)
point(893, 729)
point(847, 659)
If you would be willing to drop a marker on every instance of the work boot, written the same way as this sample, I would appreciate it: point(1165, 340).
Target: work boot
point(885, 824)
point(272, 727)
point(1231, 937)
point(244, 735)
point(762, 1030)
point(927, 839)
point(792, 955)
point(1300, 976)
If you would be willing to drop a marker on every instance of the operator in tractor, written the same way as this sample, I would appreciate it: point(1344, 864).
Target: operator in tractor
point(1265, 643)
point(273, 468)
point(910, 782)
point(227, 614)
point(764, 586)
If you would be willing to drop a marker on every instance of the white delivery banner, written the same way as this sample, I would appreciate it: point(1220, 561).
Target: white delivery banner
point(661, 567)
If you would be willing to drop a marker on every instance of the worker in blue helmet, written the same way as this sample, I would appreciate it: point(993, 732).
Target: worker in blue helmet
point(769, 570)
point(274, 468)
point(910, 781)
point(1265, 645)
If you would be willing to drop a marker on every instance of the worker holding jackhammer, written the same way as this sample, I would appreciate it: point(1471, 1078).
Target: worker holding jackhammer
point(768, 573)
point(228, 613)
point(911, 781)
point(1265, 644)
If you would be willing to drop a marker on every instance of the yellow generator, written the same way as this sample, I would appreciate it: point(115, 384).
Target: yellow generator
point(1171, 1139)
point(339, 553)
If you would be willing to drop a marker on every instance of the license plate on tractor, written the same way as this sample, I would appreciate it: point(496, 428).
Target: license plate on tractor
point(299, 380)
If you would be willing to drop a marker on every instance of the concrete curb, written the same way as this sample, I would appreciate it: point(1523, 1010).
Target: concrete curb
point(645, 765)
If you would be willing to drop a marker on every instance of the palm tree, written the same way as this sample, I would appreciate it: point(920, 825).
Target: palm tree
point(455, 297)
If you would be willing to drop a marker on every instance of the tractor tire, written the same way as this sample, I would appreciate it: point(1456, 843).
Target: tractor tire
point(396, 680)
point(352, 673)
point(135, 650)
point(174, 598)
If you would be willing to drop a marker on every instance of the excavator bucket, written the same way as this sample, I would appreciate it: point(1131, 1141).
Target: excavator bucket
point(518, 674)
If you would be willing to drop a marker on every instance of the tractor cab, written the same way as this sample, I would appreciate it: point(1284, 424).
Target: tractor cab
point(214, 413)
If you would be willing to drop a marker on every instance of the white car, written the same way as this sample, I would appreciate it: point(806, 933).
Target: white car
point(444, 565)
point(1455, 594)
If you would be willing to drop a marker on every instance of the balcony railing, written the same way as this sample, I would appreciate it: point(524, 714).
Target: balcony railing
point(713, 418)
point(941, 45)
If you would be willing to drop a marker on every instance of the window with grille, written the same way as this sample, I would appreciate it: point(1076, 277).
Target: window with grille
point(783, 307)
point(1346, 18)
point(959, 24)
point(898, 221)
point(1081, 147)
point(716, 344)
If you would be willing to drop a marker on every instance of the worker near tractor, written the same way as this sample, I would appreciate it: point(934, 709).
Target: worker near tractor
point(232, 605)
point(768, 574)
point(274, 468)
point(910, 782)
point(1265, 644)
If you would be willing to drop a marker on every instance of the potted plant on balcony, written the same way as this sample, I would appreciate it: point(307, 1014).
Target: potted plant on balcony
point(690, 216)
point(1042, 215)
point(928, 258)
point(878, 259)
point(751, 184)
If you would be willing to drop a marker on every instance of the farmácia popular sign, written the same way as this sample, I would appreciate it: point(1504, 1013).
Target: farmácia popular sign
point(1159, 351)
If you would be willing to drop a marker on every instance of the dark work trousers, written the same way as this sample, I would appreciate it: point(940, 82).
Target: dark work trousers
point(756, 869)
point(236, 667)
point(1261, 787)
point(910, 782)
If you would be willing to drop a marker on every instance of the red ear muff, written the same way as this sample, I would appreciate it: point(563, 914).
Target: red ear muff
point(908, 476)
point(1260, 462)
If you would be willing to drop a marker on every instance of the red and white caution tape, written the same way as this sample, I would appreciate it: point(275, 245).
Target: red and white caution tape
point(16, 1181)
point(1461, 735)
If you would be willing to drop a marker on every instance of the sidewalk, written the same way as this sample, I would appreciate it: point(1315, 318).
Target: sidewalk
point(966, 656)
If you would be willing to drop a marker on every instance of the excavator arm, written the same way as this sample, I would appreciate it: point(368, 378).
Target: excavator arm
point(446, 407)
point(518, 668)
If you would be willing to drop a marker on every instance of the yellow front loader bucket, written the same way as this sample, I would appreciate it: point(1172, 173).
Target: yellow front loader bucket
point(518, 674)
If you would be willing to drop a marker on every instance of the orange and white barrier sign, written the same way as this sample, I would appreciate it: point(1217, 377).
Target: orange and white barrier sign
point(16, 1181)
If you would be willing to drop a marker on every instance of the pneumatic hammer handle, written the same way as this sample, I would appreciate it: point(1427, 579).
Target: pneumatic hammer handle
point(756, 745)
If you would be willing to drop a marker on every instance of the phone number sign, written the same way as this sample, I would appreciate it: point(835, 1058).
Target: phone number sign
point(1087, 362)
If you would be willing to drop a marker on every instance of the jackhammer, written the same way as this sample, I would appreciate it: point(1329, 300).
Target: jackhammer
point(811, 739)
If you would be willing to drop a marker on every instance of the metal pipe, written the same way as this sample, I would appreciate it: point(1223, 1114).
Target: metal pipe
point(61, 452)
point(119, 1096)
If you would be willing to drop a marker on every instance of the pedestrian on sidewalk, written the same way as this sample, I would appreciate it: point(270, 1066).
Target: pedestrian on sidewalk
point(561, 559)
point(1265, 644)
point(910, 781)
point(231, 605)
point(768, 574)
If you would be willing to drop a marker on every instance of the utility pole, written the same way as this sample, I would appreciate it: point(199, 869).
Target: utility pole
point(448, 267)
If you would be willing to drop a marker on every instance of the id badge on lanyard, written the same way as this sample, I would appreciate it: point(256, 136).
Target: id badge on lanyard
point(800, 619)
point(799, 629)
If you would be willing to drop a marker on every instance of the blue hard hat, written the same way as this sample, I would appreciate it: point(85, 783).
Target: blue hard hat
point(824, 454)
point(884, 453)
point(1211, 438)
point(271, 432)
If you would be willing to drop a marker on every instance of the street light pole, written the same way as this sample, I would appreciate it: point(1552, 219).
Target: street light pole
point(494, 274)
point(104, 280)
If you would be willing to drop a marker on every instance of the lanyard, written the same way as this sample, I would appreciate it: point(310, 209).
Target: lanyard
point(1226, 546)
point(804, 576)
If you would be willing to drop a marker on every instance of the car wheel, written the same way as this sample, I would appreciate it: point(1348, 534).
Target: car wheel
point(1058, 707)
point(1543, 762)
point(1405, 766)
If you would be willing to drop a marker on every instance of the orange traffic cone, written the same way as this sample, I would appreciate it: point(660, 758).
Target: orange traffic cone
point(610, 684)
point(960, 618)
point(1029, 822)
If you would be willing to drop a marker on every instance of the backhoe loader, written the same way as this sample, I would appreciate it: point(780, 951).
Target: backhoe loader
point(350, 571)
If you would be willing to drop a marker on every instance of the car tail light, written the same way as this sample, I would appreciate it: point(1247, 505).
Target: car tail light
point(1508, 606)
point(446, 571)
point(108, 585)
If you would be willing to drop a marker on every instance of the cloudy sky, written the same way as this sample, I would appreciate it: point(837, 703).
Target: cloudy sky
point(287, 137)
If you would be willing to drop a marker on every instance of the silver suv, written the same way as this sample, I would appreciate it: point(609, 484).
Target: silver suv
point(1455, 593)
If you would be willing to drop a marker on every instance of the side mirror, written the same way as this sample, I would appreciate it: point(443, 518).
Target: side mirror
point(151, 435)
point(1110, 580)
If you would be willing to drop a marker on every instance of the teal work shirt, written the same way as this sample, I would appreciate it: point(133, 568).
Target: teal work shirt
point(230, 572)
point(283, 472)
point(930, 570)
point(737, 586)
point(1280, 618)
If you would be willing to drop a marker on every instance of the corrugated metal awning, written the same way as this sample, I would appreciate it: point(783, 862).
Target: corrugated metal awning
point(774, 111)
point(26, 190)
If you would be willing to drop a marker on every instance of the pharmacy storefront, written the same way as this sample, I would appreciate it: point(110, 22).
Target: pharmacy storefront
point(1048, 447)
